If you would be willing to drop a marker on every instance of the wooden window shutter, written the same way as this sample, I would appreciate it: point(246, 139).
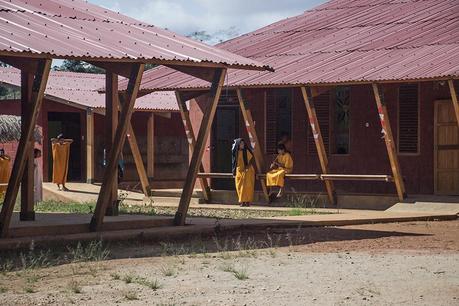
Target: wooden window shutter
point(322, 105)
point(271, 124)
point(408, 119)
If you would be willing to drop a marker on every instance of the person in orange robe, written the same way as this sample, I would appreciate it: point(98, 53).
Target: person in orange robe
point(243, 171)
point(61, 154)
point(282, 165)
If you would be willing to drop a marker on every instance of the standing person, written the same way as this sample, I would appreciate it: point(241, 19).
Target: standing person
point(243, 171)
point(37, 177)
point(61, 154)
point(282, 165)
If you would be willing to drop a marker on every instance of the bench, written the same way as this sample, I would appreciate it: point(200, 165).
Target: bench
point(321, 177)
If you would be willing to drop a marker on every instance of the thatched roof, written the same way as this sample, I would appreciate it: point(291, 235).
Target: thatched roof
point(10, 129)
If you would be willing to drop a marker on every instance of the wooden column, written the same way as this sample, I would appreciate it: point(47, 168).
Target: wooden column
point(111, 123)
point(151, 146)
point(24, 147)
point(390, 143)
point(454, 99)
point(254, 142)
point(308, 95)
point(192, 142)
point(27, 184)
point(198, 152)
point(138, 161)
point(110, 177)
point(89, 146)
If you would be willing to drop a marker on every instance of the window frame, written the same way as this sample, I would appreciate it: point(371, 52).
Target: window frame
point(332, 140)
point(418, 153)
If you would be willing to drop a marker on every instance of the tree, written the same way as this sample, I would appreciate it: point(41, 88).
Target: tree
point(78, 66)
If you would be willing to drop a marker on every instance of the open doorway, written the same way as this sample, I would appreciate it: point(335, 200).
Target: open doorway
point(68, 124)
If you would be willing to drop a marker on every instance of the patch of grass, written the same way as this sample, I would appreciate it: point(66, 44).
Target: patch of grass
point(131, 296)
point(3, 290)
point(152, 284)
point(115, 276)
point(93, 251)
point(33, 260)
point(297, 212)
point(168, 270)
point(56, 206)
point(6, 265)
point(74, 286)
point(241, 274)
point(29, 289)
point(128, 278)
point(228, 268)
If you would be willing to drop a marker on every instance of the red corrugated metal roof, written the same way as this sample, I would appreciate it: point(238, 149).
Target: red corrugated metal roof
point(344, 41)
point(82, 89)
point(78, 29)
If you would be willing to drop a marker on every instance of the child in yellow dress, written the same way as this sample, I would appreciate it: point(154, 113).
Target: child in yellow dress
point(283, 164)
point(243, 171)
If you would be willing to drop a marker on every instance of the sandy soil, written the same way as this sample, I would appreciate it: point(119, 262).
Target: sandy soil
point(387, 264)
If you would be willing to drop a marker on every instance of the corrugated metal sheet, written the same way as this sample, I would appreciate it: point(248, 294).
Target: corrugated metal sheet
point(344, 41)
point(82, 89)
point(78, 29)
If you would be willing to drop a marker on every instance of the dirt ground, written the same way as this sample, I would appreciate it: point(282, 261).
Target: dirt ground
point(382, 264)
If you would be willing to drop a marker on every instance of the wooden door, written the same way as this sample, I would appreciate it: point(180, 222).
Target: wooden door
point(446, 149)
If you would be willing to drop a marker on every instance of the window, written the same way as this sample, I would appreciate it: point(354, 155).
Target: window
point(408, 119)
point(341, 121)
point(322, 106)
point(278, 117)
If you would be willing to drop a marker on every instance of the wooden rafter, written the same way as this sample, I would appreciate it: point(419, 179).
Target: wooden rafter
point(192, 141)
point(390, 144)
point(121, 132)
point(253, 138)
point(198, 152)
point(308, 95)
point(454, 99)
point(24, 147)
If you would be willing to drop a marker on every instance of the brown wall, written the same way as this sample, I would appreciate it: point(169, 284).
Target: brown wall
point(368, 153)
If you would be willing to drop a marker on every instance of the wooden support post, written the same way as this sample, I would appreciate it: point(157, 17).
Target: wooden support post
point(121, 132)
point(27, 185)
point(138, 162)
point(151, 146)
point(192, 142)
point(24, 147)
point(454, 99)
point(254, 142)
point(89, 146)
point(390, 143)
point(111, 123)
point(318, 139)
point(198, 152)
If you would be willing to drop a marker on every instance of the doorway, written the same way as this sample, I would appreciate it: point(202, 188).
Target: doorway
point(225, 129)
point(446, 150)
point(68, 124)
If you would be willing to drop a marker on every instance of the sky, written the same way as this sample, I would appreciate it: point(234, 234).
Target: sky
point(221, 19)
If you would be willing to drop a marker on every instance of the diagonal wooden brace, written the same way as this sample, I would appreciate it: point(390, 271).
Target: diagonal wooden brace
point(254, 142)
point(204, 131)
point(120, 137)
point(454, 99)
point(24, 147)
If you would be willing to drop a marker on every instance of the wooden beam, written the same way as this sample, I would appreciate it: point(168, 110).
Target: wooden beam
point(254, 142)
point(121, 132)
point(27, 185)
point(308, 95)
point(192, 141)
point(206, 74)
point(198, 152)
point(38, 91)
point(138, 161)
point(89, 146)
point(151, 145)
point(111, 123)
point(390, 143)
point(454, 99)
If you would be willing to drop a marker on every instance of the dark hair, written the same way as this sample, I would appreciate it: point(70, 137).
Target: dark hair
point(36, 151)
point(282, 147)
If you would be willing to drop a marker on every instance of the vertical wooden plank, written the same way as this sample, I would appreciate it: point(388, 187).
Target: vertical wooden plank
point(138, 161)
point(185, 114)
point(89, 146)
point(27, 184)
point(454, 99)
point(390, 144)
point(319, 142)
point(111, 123)
point(121, 132)
point(198, 152)
point(38, 91)
point(151, 145)
point(254, 142)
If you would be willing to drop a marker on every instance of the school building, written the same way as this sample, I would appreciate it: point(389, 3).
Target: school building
point(367, 91)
